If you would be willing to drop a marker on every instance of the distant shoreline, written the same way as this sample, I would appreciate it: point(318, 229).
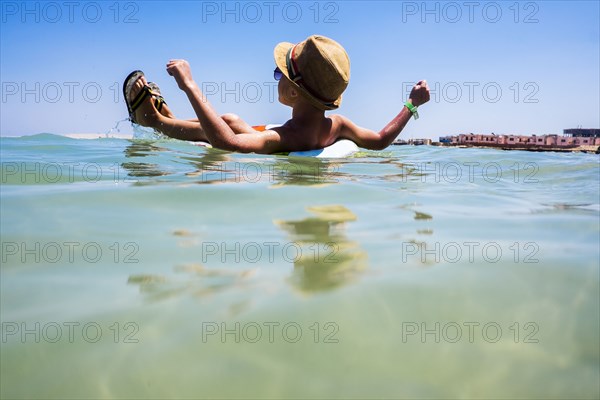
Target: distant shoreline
point(575, 140)
point(589, 149)
point(574, 149)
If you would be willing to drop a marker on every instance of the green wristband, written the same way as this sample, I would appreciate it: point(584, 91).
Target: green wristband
point(412, 109)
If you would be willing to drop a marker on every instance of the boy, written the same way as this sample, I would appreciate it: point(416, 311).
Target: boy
point(312, 76)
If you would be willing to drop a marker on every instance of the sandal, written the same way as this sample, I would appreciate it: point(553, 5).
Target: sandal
point(159, 101)
point(151, 89)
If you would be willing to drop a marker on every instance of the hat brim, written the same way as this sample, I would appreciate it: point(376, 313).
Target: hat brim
point(280, 54)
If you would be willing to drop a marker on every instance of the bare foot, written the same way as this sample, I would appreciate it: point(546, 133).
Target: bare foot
point(164, 109)
point(146, 114)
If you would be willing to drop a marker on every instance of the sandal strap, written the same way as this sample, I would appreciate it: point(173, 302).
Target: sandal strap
point(138, 99)
point(159, 101)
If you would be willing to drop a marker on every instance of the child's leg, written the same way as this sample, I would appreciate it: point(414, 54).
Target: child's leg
point(233, 120)
point(237, 124)
point(166, 123)
point(180, 129)
point(192, 130)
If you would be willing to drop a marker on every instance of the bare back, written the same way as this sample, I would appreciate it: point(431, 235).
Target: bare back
point(309, 135)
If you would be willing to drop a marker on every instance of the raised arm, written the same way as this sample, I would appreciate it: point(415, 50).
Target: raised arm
point(369, 139)
point(217, 131)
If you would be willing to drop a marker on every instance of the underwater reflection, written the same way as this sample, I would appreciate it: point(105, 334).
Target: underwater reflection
point(212, 166)
point(143, 169)
point(142, 149)
point(587, 209)
point(193, 278)
point(328, 259)
point(416, 247)
point(304, 171)
point(216, 166)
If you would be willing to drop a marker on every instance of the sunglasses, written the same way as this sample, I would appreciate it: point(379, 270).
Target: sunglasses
point(277, 74)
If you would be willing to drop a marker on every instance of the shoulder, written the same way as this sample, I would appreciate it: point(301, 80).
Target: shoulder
point(338, 118)
point(341, 124)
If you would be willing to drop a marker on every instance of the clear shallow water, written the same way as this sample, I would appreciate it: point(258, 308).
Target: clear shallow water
point(155, 268)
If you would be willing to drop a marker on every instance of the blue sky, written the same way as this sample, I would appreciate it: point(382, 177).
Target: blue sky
point(527, 67)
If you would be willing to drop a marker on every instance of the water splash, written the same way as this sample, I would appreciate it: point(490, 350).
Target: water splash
point(115, 129)
point(146, 133)
point(136, 131)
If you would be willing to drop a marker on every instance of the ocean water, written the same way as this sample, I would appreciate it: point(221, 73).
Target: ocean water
point(156, 268)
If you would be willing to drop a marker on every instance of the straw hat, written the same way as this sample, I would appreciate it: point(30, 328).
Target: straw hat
point(318, 67)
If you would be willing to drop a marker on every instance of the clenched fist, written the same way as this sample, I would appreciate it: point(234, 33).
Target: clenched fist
point(181, 71)
point(419, 94)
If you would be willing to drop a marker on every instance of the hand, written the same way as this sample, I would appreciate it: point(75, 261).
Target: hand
point(419, 94)
point(181, 71)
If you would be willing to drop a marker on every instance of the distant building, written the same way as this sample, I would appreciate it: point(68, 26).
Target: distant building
point(580, 132)
point(414, 142)
point(573, 138)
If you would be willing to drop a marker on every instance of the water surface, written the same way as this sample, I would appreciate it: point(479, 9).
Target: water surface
point(156, 268)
